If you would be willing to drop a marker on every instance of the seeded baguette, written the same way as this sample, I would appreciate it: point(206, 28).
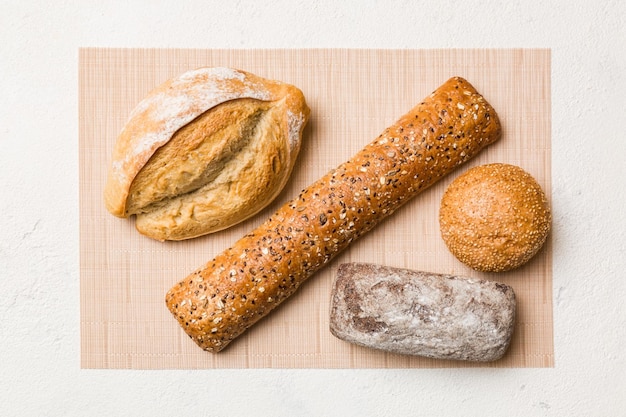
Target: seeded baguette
point(223, 298)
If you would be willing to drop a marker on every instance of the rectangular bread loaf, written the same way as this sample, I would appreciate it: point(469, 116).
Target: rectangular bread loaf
point(230, 293)
point(420, 313)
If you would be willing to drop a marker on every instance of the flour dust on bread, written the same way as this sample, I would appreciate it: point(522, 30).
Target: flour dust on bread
point(421, 313)
point(205, 151)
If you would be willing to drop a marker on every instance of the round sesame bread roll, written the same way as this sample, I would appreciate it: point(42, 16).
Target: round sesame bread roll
point(204, 151)
point(230, 293)
point(494, 217)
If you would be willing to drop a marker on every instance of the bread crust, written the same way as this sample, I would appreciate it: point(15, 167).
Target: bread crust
point(494, 217)
point(223, 298)
point(205, 150)
point(421, 313)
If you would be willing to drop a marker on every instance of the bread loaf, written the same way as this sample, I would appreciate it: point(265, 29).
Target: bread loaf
point(223, 298)
point(204, 151)
point(419, 313)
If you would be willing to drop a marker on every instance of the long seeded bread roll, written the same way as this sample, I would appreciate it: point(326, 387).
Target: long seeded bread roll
point(223, 298)
point(205, 150)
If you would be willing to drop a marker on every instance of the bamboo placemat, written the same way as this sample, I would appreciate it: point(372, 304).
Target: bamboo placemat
point(353, 95)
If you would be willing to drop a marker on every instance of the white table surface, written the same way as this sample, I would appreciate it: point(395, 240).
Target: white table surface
point(40, 371)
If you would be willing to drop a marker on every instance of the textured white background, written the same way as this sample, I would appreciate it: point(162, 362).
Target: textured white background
point(39, 294)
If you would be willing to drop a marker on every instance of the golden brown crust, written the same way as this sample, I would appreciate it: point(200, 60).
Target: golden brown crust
point(219, 301)
point(205, 150)
point(494, 217)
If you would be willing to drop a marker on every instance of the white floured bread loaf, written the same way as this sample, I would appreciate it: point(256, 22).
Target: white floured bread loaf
point(204, 151)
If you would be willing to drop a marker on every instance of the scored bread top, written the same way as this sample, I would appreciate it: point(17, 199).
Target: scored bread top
point(190, 102)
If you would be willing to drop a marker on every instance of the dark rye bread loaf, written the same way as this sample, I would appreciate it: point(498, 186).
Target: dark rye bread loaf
point(421, 313)
point(223, 298)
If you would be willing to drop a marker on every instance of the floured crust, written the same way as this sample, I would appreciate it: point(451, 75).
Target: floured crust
point(421, 313)
point(220, 109)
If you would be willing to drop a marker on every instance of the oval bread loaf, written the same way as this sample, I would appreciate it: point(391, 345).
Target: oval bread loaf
point(420, 313)
point(223, 298)
point(204, 151)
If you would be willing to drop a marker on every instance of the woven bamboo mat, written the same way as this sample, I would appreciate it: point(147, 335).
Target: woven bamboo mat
point(353, 95)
